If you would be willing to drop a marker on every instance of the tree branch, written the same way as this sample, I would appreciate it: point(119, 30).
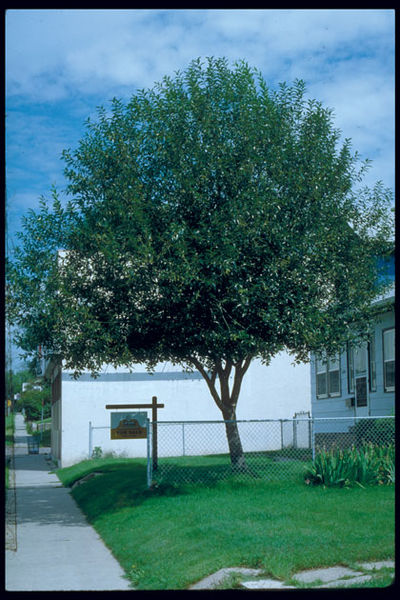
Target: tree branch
point(228, 368)
point(210, 381)
point(246, 363)
point(240, 370)
point(223, 375)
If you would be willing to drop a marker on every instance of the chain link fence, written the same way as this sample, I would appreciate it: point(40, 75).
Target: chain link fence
point(198, 451)
point(275, 449)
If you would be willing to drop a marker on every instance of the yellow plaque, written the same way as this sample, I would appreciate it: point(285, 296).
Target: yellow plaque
point(126, 426)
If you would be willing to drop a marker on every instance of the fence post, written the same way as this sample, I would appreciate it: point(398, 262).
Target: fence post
point(154, 432)
point(148, 471)
point(313, 439)
point(90, 439)
point(281, 434)
point(183, 439)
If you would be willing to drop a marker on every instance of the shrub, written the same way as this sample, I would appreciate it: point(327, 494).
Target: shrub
point(31, 400)
point(97, 452)
point(46, 438)
point(367, 465)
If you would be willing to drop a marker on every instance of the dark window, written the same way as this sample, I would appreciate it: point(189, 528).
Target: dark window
point(350, 368)
point(361, 391)
point(372, 364)
point(351, 351)
point(388, 359)
point(328, 376)
point(322, 378)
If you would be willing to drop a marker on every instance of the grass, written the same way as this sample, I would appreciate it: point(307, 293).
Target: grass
point(47, 420)
point(10, 429)
point(272, 465)
point(171, 536)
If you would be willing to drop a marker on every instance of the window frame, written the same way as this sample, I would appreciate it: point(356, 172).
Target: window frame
point(371, 359)
point(350, 368)
point(387, 389)
point(327, 371)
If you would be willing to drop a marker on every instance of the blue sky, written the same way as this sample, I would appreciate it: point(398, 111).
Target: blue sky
point(62, 64)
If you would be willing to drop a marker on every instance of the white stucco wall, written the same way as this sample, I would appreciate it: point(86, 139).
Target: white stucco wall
point(274, 392)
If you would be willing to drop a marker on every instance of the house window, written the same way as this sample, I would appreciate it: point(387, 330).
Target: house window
point(322, 378)
point(350, 368)
point(372, 364)
point(388, 359)
point(351, 351)
point(328, 376)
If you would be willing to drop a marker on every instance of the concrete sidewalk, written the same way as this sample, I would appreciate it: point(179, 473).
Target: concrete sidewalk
point(56, 548)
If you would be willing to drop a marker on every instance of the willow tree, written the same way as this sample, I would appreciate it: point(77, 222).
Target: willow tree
point(210, 220)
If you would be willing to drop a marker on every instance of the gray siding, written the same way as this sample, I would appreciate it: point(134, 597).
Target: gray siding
point(381, 403)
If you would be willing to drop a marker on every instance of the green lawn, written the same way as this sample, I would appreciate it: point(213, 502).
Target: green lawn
point(10, 428)
point(172, 536)
point(272, 466)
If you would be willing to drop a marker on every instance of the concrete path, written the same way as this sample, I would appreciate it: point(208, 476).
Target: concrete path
point(56, 548)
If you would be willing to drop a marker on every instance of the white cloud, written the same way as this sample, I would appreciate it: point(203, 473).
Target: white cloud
point(53, 53)
point(88, 49)
point(362, 96)
point(84, 57)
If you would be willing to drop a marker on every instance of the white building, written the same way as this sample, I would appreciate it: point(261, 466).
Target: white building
point(79, 406)
point(30, 386)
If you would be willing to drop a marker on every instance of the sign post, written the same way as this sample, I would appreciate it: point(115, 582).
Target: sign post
point(148, 470)
point(154, 431)
point(153, 407)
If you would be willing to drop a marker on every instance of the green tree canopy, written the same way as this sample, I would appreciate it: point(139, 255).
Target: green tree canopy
point(210, 220)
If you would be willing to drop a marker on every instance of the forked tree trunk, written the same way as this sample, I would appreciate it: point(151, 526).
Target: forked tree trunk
point(226, 401)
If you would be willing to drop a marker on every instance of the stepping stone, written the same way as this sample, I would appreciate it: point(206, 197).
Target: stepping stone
point(265, 584)
point(215, 579)
point(346, 582)
point(325, 575)
point(369, 566)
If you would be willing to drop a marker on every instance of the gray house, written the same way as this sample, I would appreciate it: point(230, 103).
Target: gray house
point(357, 382)
point(360, 380)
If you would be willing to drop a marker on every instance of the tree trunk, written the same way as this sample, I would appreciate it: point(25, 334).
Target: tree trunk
point(226, 402)
point(238, 460)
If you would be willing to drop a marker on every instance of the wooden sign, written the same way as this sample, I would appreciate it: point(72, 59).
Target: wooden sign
point(154, 405)
point(128, 425)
